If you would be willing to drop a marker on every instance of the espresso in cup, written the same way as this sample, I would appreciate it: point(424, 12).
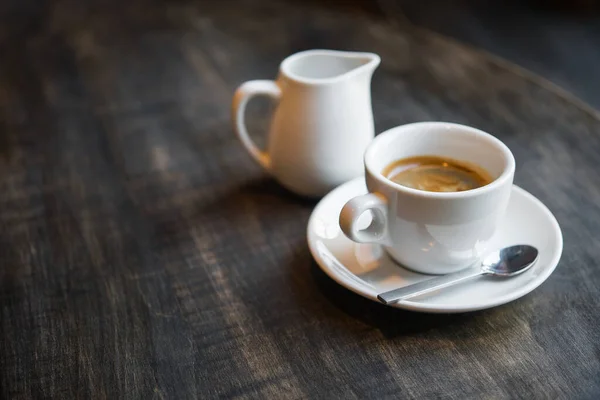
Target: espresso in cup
point(436, 174)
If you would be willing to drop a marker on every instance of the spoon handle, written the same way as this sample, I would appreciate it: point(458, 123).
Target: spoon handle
point(429, 285)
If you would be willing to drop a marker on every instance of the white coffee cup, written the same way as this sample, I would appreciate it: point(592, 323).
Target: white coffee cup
point(431, 232)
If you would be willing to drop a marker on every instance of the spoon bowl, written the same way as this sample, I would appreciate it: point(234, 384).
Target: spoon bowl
point(510, 261)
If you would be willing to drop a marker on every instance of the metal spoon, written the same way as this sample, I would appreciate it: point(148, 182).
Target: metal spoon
point(506, 262)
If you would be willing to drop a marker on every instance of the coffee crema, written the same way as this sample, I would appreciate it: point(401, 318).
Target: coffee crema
point(436, 174)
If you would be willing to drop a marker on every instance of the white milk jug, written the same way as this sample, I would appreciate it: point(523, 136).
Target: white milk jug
point(323, 121)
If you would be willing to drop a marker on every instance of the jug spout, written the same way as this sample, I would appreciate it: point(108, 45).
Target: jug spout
point(323, 66)
point(366, 62)
point(370, 60)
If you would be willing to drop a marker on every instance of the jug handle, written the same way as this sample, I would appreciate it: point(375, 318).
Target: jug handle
point(242, 96)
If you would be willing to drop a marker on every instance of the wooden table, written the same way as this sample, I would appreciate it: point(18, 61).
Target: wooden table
point(144, 255)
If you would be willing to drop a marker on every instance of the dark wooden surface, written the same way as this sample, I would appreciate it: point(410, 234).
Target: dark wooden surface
point(143, 255)
point(558, 39)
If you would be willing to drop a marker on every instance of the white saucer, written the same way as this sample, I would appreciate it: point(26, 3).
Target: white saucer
point(367, 270)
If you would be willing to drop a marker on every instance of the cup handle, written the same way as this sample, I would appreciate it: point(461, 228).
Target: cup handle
point(374, 233)
point(242, 96)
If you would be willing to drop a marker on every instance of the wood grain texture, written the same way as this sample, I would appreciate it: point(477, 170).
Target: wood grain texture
point(144, 255)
